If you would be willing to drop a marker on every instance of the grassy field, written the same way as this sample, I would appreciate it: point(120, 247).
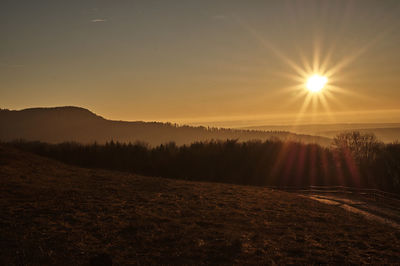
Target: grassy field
point(52, 213)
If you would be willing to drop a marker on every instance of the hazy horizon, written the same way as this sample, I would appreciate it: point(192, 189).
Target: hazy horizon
point(251, 122)
point(225, 63)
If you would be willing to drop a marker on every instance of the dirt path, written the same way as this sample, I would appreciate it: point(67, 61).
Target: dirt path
point(367, 208)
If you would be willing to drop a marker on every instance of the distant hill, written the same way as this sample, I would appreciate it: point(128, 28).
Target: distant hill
point(77, 124)
point(387, 132)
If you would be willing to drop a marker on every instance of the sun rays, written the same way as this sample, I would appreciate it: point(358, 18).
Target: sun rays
point(316, 73)
point(314, 78)
point(316, 82)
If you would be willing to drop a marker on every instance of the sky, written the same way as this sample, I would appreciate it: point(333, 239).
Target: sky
point(225, 63)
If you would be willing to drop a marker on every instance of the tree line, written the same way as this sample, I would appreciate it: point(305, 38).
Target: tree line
point(354, 159)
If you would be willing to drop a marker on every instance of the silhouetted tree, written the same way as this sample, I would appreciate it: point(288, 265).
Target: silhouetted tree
point(362, 146)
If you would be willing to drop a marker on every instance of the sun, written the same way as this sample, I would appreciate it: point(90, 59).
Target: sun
point(316, 83)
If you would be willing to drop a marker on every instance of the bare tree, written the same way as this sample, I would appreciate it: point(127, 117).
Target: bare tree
point(362, 146)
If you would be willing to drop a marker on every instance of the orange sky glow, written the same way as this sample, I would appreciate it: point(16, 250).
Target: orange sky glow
point(225, 63)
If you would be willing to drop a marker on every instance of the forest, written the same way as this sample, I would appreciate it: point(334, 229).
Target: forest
point(354, 159)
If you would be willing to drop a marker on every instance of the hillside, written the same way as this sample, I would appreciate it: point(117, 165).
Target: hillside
point(63, 215)
point(386, 132)
point(62, 124)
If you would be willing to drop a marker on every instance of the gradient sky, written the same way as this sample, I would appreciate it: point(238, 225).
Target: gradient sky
point(214, 62)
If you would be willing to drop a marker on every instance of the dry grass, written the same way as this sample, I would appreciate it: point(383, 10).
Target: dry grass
point(52, 213)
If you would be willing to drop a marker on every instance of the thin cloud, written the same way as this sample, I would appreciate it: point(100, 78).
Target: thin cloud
point(98, 20)
point(218, 17)
point(11, 65)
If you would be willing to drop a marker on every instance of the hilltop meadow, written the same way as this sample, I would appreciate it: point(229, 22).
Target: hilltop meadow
point(57, 214)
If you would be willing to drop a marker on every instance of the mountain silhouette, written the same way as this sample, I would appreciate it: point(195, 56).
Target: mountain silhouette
point(61, 124)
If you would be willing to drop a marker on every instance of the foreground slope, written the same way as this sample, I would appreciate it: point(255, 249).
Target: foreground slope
point(52, 213)
point(60, 124)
